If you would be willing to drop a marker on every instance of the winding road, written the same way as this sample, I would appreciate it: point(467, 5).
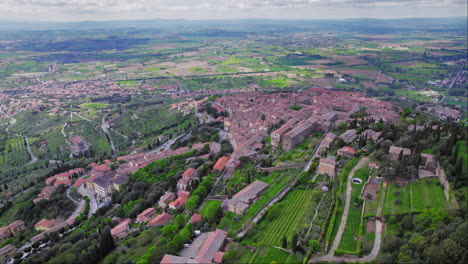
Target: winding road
point(378, 228)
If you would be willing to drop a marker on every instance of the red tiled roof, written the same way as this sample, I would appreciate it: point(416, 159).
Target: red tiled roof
point(221, 163)
point(146, 215)
point(159, 219)
point(46, 223)
point(79, 182)
point(189, 173)
point(212, 244)
point(195, 218)
point(66, 182)
point(348, 149)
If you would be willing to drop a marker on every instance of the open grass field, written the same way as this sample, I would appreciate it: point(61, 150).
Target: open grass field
point(294, 206)
point(414, 197)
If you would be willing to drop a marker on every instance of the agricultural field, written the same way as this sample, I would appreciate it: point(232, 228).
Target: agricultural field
point(14, 154)
point(277, 181)
point(414, 197)
point(292, 213)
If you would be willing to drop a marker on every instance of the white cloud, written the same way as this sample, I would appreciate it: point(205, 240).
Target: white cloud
point(210, 9)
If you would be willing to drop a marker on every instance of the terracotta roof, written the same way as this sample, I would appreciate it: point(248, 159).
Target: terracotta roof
point(195, 218)
point(189, 173)
point(160, 219)
point(120, 228)
point(221, 163)
point(212, 244)
point(46, 223)
point(146, 215)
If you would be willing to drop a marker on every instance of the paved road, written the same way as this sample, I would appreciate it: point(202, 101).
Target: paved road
point(341, 229)
point(93, 206)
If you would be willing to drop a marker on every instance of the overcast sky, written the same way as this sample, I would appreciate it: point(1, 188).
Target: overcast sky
point(79, 10)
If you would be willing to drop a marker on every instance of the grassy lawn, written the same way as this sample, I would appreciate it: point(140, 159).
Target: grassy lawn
point(266, 254)
point(427, 193)
point(415, 197)
point(209, 206)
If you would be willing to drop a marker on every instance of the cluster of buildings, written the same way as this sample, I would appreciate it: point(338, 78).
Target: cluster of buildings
point(49, 226)
point(253, 115)
point(64, 178)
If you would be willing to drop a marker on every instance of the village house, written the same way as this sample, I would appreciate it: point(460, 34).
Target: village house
point(182, 185)
point(220, 164)
point(349, 136)
point(210, 252)
point(429, 162)
point(346, 152)
point(371, 134)
point(121, 230)
point(160, 219)
point(180, 201)
point(11, 230)
point(16, 227)
point(241, 201)
point(6, 252)
point(327, 166)
point(146, 215)
point(46, 224)
point(394, 152)
point(168, 196)
point(45, 194)
point(190, 174)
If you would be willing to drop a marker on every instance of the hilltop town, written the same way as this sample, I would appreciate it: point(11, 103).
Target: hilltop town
point(257, 148)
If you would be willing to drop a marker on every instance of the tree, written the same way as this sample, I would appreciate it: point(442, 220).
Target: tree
point(107, 243)
point(192, 203)
point(284, 242)
point(294, 243)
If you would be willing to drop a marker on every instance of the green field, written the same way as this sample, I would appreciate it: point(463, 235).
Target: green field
point(414, 197)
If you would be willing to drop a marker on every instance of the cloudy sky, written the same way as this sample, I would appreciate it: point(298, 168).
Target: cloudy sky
point(79, 10)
